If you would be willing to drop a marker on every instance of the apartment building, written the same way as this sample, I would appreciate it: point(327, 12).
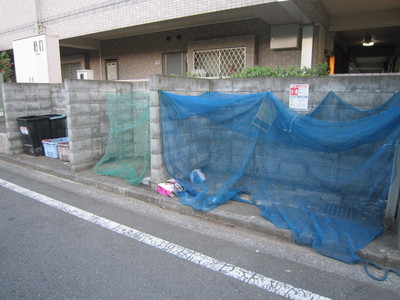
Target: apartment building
point(132, 39)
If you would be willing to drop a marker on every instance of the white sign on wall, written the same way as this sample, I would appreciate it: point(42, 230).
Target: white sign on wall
point(298, 96)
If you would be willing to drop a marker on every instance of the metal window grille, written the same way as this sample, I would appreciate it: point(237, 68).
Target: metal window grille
point(219, 62)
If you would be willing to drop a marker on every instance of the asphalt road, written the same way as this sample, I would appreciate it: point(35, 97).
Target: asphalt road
point(64, 240)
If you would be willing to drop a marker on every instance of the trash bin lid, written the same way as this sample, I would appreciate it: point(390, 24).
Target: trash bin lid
point(57, 117)
point(27, 118)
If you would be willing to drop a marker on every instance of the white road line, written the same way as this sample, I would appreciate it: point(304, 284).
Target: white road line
point(252, 278)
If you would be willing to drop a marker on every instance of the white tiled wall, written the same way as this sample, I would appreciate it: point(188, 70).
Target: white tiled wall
point(67, 18)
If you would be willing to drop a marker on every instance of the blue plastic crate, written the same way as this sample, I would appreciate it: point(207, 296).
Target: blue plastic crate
point(50, 146)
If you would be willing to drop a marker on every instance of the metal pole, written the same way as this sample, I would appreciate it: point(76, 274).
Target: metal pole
point(1, 97)
point(38, 17)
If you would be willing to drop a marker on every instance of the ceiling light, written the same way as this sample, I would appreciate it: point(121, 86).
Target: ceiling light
point(368, 42)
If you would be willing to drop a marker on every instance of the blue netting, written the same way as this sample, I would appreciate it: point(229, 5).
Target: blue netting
point(325, 175)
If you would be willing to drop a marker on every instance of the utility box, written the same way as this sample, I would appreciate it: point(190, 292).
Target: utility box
point(85, 74)
point(37, 59)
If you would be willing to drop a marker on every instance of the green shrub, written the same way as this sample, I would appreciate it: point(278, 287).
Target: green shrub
point(195, 75)
point(323, 69)
point(6, 66)
point(291, 71)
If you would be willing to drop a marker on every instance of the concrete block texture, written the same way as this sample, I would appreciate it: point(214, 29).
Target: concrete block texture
point(155, 114)
point(84, 104)
point(88, 122)
point(174, 84)
point(23, 100)
point(155, 130)
point(183, 85)
point(364, 92)
point(82, 101)
point(4, 144)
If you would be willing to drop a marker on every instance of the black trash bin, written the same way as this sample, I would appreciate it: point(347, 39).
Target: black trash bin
point(58, 125)
point(33, 130)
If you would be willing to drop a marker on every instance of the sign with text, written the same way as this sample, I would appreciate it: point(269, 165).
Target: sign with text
point(298, 96)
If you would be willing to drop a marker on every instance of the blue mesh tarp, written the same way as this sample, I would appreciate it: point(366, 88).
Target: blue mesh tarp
point(325, 175)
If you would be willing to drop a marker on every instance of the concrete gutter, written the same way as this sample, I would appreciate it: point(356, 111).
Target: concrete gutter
point(382, 250)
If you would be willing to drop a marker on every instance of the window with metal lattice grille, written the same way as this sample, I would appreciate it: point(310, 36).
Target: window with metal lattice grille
point(219, 62)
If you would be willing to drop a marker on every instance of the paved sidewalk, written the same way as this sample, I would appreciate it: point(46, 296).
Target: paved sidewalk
point(382, 250)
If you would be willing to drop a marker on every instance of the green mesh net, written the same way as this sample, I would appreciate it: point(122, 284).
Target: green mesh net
point(127, 153)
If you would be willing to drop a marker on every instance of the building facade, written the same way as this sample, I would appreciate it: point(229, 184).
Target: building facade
point(133, 39)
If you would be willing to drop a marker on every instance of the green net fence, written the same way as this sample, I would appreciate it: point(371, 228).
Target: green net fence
point(127, 153)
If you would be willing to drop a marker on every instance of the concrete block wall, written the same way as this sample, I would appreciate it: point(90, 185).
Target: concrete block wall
point(27, 99)
point(88, 125)
point(83, 102)
point(363, 92)
point(179, 85)
point(130, 118)
point(4, 144)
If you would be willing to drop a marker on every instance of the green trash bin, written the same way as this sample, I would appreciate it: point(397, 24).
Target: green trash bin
point(33, 130)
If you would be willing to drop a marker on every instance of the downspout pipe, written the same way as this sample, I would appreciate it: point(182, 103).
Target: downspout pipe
point(38, 17)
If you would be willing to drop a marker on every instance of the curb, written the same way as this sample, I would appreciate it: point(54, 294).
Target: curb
point(374, 251)
point(217, 215)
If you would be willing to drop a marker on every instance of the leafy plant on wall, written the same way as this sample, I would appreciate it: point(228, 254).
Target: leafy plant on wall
point(6, 67)
point(260, 71)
